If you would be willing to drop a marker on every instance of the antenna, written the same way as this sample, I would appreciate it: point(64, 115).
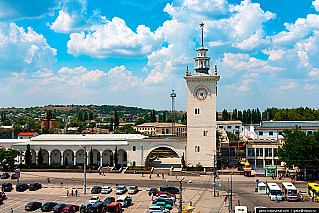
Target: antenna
point(173, 96)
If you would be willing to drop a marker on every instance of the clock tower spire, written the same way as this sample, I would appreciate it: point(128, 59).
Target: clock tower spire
point(201, 111)
point(202, 61)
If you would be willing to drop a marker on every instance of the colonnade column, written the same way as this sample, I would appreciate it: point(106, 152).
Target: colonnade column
point(74, 159)
point(36, 156)
point(62, 158)
point(101, 159)
point(264, 158)
point(49, 158)
point(88, 158)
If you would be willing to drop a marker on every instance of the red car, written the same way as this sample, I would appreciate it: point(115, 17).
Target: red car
point(169, 194)
point(70, 208)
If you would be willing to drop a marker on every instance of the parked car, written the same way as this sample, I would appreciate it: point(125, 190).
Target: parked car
point(3, 195)
point(22, 187)
point(96, 190)
point(7, 187)
point(153, 191)
point(32, 206)
point(85, 207)
point(156, 209)
point(59, 207)
point(106, 190)
point(120, 190)
point(5, 176)
point(114, 207)
point(48, 206)
point(125, 201)
point(163, 205)
point(166, 197)
point(35, 186)
point(168, 201)
point(170, 189)
point(108, 200)
point(13, 176)
point(71, 208)
point(133, 190)
point(94, 199)
point(97, 208)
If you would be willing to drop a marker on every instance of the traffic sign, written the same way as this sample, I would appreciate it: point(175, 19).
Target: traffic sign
point(214, 183)
point(220, 185)
point(17, 173)
point(257, 181)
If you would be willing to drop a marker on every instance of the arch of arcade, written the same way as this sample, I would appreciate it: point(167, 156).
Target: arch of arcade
point(132, 149)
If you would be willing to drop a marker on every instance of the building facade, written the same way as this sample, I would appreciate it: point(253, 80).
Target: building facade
point(161, 129)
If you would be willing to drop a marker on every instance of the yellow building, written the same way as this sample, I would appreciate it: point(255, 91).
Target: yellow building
point(161, 129)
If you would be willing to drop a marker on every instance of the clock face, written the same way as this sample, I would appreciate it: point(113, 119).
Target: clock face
point(201, 93)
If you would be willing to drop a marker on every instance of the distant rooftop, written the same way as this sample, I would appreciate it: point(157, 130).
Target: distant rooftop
point(228, 122)
point(27, 133)
point(87, 137)
point(160, 125)
point(282, 124)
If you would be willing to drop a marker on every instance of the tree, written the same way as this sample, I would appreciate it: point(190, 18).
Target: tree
point(40, 158)
point(153, 116)
point(116, 157)
point(27, 156)
point(91, 157)
point(90, 116)
point(80, 116)
point(234, 115)
point(184, 119)
point(164, 117)
point(127, 129)
point(116, 120)
point(85, 116)
point(299, 149)
point(9, 157)
point(183, 161)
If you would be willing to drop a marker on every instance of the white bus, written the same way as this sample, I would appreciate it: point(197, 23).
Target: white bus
point(290, 191)
point(274, 191)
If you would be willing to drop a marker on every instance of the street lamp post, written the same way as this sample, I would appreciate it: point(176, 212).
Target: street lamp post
point(84, 168)
point(180, 194)
point(214, 173)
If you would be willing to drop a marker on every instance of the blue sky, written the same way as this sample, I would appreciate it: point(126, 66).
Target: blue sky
point(134, 52)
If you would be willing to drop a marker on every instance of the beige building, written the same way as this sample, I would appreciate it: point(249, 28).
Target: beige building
point(201, 112)
point(161, 129)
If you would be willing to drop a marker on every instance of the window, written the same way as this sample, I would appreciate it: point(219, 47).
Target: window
point(271, 133)
point(163, 131)
point(261, 133)
point(259, 152)
point(205, 133)
point(237, 127)
point(268, 152)
point(167, 131)
point(228, 127)
point(275, 152)
point(134, 148)
point(196, 148)
point(197, 111)
point(280, 133)
point(251, 152)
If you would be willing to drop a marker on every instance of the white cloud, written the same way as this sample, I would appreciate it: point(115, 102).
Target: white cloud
point(246, 85)
point(314, 72)
point(22, 49)
point(288, 85)
point(121, 79)
point(316, 5)
point(114, 39)
point(274, 55)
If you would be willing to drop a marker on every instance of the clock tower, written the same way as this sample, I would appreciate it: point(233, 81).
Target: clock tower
point(201, 111)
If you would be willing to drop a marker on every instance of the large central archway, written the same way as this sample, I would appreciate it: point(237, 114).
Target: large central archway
point(162, 156)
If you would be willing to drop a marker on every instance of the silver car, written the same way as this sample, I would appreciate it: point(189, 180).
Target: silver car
point(120, 190)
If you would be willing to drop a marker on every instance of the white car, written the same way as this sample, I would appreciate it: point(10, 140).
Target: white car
point(120, 190)
point(94, 199)
point(106, 190)
point(157, 209)
point(165, 196)
point(125, 201)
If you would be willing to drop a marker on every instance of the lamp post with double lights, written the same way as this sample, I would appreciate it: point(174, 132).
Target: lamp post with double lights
point(84, 168)
point(180, 193)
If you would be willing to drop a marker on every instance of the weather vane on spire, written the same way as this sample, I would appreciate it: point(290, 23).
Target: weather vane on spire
point(202, 26)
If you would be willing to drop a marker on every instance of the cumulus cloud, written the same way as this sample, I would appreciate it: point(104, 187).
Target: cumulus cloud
point(316, 5)
point(114, 39)
point(22, 49)
point(122, 79)
point(289, 85)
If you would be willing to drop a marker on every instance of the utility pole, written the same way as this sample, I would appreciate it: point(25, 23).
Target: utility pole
point(214, 175)
point(84, 167)
point(180, 197)
point(173, 96)
point(231, 193)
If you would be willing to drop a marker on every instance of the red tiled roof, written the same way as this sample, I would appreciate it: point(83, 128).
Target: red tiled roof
point(26, 133)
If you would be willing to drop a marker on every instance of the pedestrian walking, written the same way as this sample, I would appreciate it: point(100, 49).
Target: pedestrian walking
point(76, 192)
point(142, 174)
point(150, 175)
point(11, 210)
point(301, 197)
point(61, 183)
point(157, 174)
point(190, 203)
point(67, 193)
point(162, 175)
point(72, 193)
point(176, 176)
point(225, 201)
point(152, 197)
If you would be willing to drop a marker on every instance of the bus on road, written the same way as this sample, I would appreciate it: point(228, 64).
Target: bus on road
point(313, 191)
point(290, 192)
point(274, 191)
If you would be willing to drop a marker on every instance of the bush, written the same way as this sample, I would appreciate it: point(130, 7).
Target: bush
point(199, 167)
point(73, 167)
